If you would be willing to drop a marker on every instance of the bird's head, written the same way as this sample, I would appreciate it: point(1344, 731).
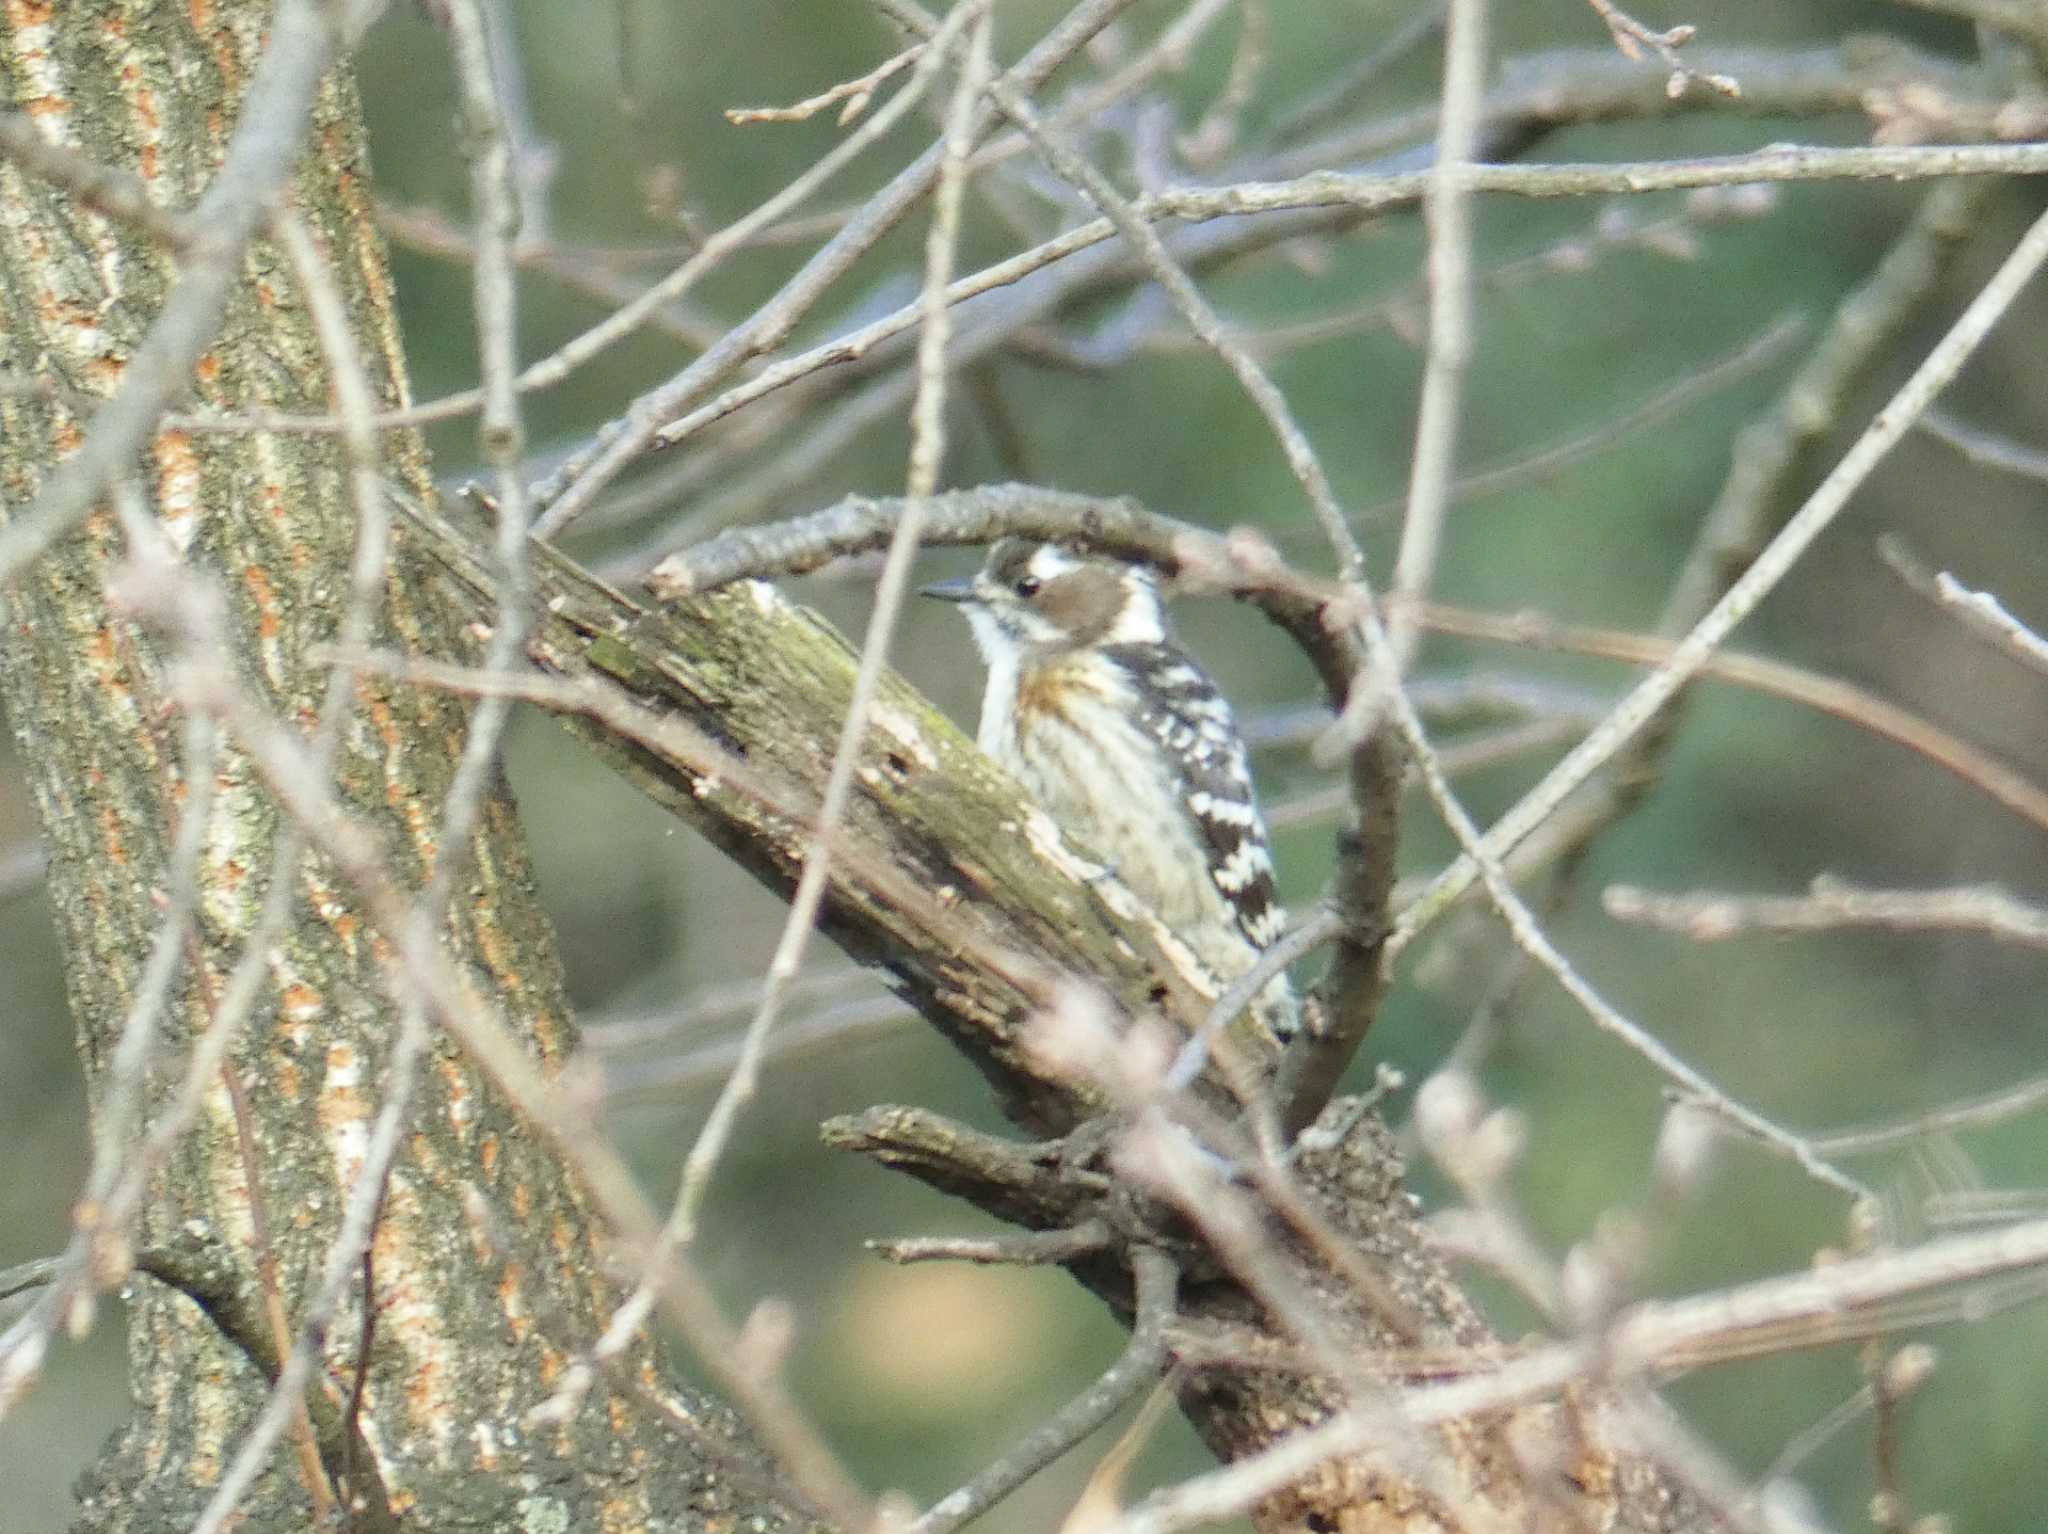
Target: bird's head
point(1039, 596)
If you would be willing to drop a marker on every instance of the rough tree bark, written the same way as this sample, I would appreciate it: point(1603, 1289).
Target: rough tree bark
point(469, 1329)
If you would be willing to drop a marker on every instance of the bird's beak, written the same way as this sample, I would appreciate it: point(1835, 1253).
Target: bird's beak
point(949, 591)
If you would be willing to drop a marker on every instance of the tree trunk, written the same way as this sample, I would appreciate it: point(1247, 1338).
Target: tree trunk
point(484, 1279)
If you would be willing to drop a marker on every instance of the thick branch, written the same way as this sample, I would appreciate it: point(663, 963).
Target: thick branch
point(946, 875)
point(771, 683)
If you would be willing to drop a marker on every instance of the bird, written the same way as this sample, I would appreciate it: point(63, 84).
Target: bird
point(1126, 742)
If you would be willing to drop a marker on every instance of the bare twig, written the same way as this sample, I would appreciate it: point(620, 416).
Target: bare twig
point(1831, 905)
point(835, 1029)
point(1978, 611)
point(1091, 101)
point(1303, 938)
point(1788, 163)
point(1975, 1113)
point(1983, 448)
point(1340, 94)
point(1210, 139)
point(1632, 37)
point(1525, 467)
point(1674, 236)
point(532, 159)
point(431, 232)
point(857, 93)
point(101, 188)
point(1449, 217)
point(313, 1475)
point(1138, 1368)
point(1015, 1248)
point(625, 1029)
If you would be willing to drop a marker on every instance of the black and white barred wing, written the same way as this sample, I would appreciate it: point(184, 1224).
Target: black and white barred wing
point(1181, 708)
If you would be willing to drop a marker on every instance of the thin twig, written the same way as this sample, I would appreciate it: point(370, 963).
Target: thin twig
point(1978, 611)
point(1981, 447)
point(856, 93)
point(1338, 96)
point(1830, 906)
point(1632, 37)
point(1448, 215)
point(101, 188)
point(320, 1489)
point(1014, 1248)
point(1814, 1437)
point(1695, 383)
point(1304, 937)
point(1973, 1113)
point(24, 1276)
point(532, 159)
point(1091, 101)
point(624, 1029)
point(501, 437)
point(1139, 1367)
point(836, 1029)
point(1614, 228)
point(1211, 139)
point(431, 232)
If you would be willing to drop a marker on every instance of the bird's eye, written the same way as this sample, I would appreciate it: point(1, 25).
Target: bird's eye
point(1027, 585)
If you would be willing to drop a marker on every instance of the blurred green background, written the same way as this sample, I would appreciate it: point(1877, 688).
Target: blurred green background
point(1586, 312)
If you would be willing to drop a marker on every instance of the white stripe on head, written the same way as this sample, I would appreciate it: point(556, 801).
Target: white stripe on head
point(1141, 620)
point(1049, 560)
